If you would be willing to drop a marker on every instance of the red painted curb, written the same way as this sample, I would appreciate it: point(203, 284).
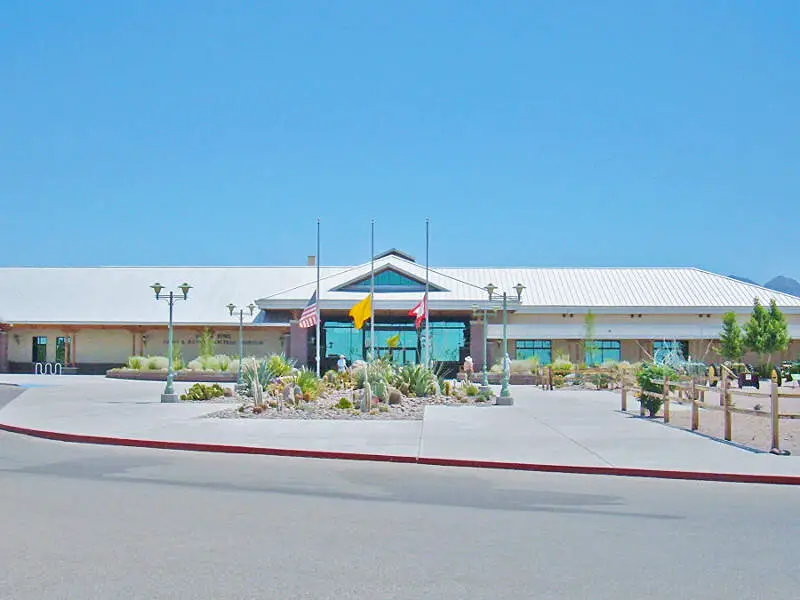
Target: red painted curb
point(440, 462)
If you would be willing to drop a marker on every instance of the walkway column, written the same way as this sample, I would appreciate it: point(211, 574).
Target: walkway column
point(476, 345)
point(4, 327)
point(298, 344)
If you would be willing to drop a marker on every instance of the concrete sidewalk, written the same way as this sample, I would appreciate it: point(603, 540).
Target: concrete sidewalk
point(560, 428)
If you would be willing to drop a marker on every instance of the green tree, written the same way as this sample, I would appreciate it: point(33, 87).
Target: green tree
point(731, 341)
point(766, 332)
point(777, 338)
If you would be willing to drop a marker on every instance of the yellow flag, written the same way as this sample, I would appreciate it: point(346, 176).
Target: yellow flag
point(361, 311)
point(394, 341)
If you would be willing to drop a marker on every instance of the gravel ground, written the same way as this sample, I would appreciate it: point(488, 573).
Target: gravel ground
point(409, 409)
point(748, 430)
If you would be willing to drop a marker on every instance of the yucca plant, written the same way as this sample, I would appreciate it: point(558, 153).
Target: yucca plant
point(136, 362)
point(277, 365)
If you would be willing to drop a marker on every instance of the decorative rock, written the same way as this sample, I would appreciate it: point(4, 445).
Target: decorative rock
point(288, 396)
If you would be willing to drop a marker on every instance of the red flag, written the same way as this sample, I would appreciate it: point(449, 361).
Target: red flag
point(419, 311)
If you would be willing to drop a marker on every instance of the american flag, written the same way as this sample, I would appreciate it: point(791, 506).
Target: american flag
point(309, 316)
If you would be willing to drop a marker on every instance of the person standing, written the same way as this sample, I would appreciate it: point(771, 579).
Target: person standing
point(468, 368)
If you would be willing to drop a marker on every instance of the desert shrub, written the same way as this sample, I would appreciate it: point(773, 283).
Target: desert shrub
point(136, 362)
point(157, 363)
point(203, 392)
point(601, 380)
point(224, 361)
point(205, 343)
point(647, 373)
point(524, 366)
point(562, 366)
point(195, 365)
point(233, 366)
point(210, 363)
point(343, 403)
point(383, 408)
point(337, 380)
point(309, 383)
point(471, 389)
point(177, 357)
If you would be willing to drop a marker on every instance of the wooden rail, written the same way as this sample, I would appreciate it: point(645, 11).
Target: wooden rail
point(683, 390)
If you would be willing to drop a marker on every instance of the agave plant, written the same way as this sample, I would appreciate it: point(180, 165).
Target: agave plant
point(420, 380)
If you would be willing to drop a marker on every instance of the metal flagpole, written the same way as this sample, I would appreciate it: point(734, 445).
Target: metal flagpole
point(372, 293)
point(425, 306)
point(318, 300)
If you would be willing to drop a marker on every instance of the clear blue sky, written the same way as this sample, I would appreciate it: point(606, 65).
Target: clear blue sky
point(533, 133)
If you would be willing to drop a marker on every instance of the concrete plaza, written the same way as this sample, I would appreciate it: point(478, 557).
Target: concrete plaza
point(563, 428)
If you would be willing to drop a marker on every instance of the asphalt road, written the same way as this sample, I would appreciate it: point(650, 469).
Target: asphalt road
point(88, 522)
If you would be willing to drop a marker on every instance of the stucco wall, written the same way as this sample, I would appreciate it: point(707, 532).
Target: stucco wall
point(116, 345)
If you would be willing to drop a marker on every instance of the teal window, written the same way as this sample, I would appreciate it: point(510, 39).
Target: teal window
point(448, 340)
point(603, 351)
point(39, 350)
point(62, 349)
point(541, 349)
point(388, 280)
point(662, 348)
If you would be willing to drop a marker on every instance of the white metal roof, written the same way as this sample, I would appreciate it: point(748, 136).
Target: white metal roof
point(609, 288)
point(122, 294)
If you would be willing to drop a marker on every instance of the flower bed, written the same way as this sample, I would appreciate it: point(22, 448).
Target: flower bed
point(327, 406)
point(161, 375)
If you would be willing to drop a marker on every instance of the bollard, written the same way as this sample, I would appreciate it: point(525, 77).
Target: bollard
point(775, 417)
point(725, 399)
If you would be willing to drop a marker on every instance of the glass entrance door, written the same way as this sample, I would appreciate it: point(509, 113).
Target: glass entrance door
point(39, 349)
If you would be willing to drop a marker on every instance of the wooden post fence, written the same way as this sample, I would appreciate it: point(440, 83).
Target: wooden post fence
point(624, 397)
point(775, 416)
point(725, 400)
point(695, 407)
point(665, 397)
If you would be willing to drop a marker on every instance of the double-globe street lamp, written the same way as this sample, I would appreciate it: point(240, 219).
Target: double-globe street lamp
point(505, 393)
point(169, 394)
point(231, 309)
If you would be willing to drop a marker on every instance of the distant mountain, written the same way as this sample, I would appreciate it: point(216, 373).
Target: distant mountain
point(744, 279)
point(787, 285)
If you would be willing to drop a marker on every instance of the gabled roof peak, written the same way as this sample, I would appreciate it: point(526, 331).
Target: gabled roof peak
point(395, 252)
